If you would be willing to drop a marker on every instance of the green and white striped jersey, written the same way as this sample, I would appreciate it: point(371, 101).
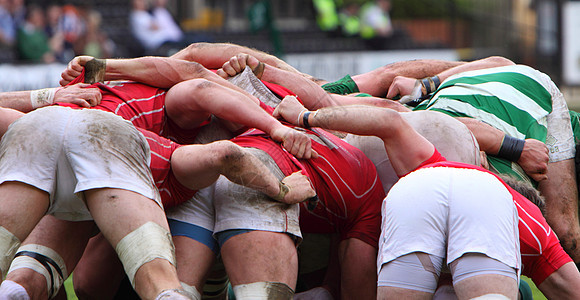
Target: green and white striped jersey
point(513, 99)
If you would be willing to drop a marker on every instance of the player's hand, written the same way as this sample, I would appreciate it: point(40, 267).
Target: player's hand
point(290, 109)
point(299, 188)
point(238, 63)
point(534, 159)
point(294, 141)
point(74, 69)
point(81, 94)
point(401, 86)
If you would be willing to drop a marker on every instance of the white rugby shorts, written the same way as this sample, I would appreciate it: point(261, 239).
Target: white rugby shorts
point(447, 212)
point(64, 152)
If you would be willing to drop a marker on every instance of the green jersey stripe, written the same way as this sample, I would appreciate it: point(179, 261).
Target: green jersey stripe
point(512, 83)
point(536, 107)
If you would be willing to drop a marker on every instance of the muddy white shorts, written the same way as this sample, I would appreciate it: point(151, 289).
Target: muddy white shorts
point(64, 152)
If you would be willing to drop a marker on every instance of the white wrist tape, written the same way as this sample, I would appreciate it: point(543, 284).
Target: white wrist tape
point(44, 261)
point(42, 97)
point(142, 245)
point(9, 243)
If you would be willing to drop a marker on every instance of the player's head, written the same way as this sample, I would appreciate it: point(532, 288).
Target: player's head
point(526, 190)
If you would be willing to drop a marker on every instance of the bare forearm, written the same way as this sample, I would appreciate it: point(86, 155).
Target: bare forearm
point(406, 148)
point(156, 71)
point(214, 55)
point(16, 100)
point(311, 94)
point(378, 81)
point(485, 63)
point(488, 138)
point(373, 101)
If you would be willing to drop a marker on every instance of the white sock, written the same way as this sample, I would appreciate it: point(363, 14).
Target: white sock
point(10, 290)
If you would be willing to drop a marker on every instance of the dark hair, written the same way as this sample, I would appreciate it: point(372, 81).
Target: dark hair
point(526, 190)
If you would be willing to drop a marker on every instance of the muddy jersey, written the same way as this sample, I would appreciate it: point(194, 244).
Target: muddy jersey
point(346, 182)
point(143, 105)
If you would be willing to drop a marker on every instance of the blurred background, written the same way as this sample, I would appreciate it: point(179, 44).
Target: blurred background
point(325, 38)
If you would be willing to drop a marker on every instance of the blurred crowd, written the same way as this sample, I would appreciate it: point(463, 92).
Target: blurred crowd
point(52, 33)
point(369, 20)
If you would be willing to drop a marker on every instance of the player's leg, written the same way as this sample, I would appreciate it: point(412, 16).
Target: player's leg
point(22, 208)
point(411, 276)
point(99, 272)
point(109, 159)
point(47, 256)
point(248, 225)
point(136, 227)
point(254, 267)
point(475, 275)
point(357, 269)
point(194, 261)
point(198, 166)
point(191, 225)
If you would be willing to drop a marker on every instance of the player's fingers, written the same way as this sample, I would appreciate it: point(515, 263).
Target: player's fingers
point(81, 102)
point(66, 78)
point(300, 150)
point(235, 64)
point(276, 112)
point(229, 69)
point(222, 73)
point(313, 153)
point(91, 99)
point(393, 91)
point(242, 60)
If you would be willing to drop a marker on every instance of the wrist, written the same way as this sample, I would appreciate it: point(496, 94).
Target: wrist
point(430, 84)
point(300, 119)
point(305, 119)
point(511, 148)
point(42, 97)
point(283, 190)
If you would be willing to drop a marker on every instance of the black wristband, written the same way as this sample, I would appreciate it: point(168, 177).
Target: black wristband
point(431, 84)
point(305, 119)
point(426, 85)
point(436, 82)
point(511, 148)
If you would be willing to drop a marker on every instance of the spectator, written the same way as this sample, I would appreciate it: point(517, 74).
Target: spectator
point(349, 19)
point(166, 22)
point(7, 30)
point(72, 25)
point(18, 11)
point(54, 30)
point(375, 19)
point(33, 44)
point(326, 15)
point(94, 42)
point(148, 29)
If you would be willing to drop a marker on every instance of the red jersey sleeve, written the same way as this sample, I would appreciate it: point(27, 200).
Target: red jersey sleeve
point(541, 251)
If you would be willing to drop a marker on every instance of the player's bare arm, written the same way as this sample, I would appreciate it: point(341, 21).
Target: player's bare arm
point(26, 101)
point(385, 123)
point(214, 55)
point(534, 155)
